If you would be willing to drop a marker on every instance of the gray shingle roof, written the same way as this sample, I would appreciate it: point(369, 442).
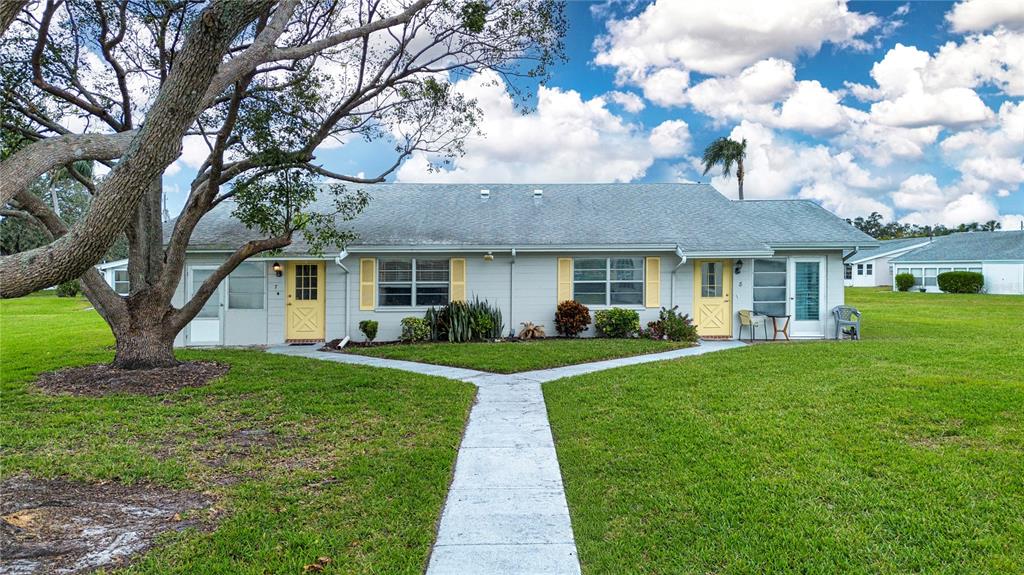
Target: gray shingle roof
point(885, 247)
point(969, 247)
point(694, 216)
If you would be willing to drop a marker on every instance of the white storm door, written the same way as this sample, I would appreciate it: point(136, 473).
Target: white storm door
point(807, 296)
point(206, 327)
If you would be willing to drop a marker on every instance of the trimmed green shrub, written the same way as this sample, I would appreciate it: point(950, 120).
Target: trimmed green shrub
point(904, 281)
point(961, 282)
point(673, 326)
point(69, 288)
point(415, 329)
point(369, 329)
point(617, 322)
point(571, 318)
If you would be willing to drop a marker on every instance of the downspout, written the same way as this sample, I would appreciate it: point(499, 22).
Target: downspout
point(672, 276)
point(511, 267)
point(348, 294)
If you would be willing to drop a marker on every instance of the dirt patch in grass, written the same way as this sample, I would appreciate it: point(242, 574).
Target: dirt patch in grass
point(55, 526)
point(100, 380)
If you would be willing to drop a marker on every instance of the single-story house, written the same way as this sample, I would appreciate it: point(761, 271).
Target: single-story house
point(997, 255)
point(116, 275)
point(525, 248)
point(869, 267)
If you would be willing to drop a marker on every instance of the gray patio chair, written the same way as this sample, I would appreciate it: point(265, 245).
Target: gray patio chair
point(749, 318)
point(846, 316)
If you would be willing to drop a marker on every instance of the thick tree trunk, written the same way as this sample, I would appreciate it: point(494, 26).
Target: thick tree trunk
point(144, 347)
point(144, 338)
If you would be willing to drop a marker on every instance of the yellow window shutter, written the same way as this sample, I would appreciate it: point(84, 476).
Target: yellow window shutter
point(367, 283)
point(564, 279)
point(652, 282)
point(457, 279)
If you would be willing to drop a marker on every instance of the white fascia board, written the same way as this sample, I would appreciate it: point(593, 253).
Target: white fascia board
point(561, 248)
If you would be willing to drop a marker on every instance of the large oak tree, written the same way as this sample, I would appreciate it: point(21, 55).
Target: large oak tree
point(261, 85)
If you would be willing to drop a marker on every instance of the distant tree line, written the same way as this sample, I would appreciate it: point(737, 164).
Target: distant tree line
point(873, 226)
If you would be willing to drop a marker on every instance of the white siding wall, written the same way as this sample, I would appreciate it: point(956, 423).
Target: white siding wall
point(1004, 278)
point(534, 287)
point(534, 283)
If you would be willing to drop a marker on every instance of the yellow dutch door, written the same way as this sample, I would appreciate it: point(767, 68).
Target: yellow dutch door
point(712, 297)
point(304, 316)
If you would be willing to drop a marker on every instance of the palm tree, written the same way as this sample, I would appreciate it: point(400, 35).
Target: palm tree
point(726, 152)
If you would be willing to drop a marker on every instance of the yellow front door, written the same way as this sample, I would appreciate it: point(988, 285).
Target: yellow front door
point(304, 313)
point(712, 297)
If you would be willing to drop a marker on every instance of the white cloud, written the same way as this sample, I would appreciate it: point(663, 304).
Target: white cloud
point(667, 87)
point(629, 101)
point(725, 38)
point(970, 207)
point(566, 139)
point(920, 191)
point(670, 139)
point(953, 107)
point(812, 108)
point(995, 59)
point(1012, 222)
point(978, 15)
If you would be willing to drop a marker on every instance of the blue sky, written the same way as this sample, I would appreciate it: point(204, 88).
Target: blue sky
point(910, 109)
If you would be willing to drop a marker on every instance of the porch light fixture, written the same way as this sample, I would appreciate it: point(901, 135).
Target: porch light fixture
point(739, 266)
point(489, 257)
point(277, 268)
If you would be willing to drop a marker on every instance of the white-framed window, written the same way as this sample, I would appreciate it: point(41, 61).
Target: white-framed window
point(929, 277)
point(770, 286)
point(608, 281)
point(405, 282)
point(122, 285)
point(869, 269)
point(848, 271)
point(860, 269)
point(247, 286)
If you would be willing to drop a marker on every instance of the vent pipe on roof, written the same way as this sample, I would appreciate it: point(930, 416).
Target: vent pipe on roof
point(484, 194)
point(538, 197)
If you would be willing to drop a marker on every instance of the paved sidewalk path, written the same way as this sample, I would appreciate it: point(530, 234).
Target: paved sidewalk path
point(506, 511)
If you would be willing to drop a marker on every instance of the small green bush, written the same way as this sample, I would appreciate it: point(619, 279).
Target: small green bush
point(571, 318)
point(415, 329)
point(69, 288)
point(904, 281)
point(673, 326)
point(961, 282)
point(617, 322)
point(369, 329)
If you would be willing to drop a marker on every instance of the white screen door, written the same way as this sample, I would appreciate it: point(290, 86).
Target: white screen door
point(205, 328)
point(807, 296)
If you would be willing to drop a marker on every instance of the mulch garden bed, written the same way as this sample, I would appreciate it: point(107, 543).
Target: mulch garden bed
point(56, 526)
point(100, 380)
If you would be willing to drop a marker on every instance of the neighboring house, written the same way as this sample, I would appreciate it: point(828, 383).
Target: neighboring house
point(524, 249)
point(116, 274)
point(997, 255)
point(869, 267)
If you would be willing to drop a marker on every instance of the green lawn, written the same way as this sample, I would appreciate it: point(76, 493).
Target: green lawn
point(901, 453)
point(511, 357)
point(358, 468)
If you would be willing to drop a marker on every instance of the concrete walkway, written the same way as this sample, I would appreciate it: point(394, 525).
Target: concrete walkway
point(506, 511)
